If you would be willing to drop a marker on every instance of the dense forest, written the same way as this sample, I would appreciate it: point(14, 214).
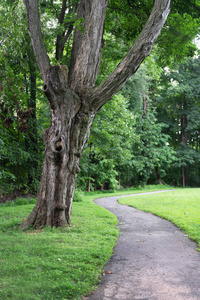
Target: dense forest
point(149, 132)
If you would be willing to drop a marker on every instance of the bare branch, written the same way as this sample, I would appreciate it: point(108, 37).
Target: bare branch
point(36, 36)
point(131, 62)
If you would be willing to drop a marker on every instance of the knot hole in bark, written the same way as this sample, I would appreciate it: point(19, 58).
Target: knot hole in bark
point(45, 87)
point(59, 145)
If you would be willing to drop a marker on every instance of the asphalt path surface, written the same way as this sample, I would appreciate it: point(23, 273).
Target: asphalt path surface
point(153, 259)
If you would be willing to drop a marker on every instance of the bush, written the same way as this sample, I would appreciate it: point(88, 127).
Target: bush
point(20, 201)
point(78, 196)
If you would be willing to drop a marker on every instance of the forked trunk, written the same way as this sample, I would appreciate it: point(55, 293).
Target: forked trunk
point(64, 142)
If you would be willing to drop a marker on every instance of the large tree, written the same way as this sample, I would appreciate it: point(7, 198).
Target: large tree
point(75, 100)
point(178, 107)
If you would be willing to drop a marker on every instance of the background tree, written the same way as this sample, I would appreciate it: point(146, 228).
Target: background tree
point(18, 74)
point(109, 148)
point(178, 107)
point(151, 152)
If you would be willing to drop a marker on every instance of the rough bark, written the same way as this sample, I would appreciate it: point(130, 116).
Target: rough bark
point(75, 101)
point(77, 40)
point(88, 53)
point(36, 36)
point(64, 142)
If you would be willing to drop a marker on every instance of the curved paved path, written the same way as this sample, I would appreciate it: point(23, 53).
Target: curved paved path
point(153, 259)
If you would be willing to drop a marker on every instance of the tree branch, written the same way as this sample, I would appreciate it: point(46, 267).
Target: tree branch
point(62, 38)
point(77, 40)
point(60, 42)
point(62, 14)
point(89, 54)
point(69, 31)
point(131, 62)
point(56, 12)
point(36, 36)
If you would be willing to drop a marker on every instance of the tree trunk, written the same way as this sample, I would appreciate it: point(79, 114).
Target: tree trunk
point(183, 176)
point(64, 142)
point(145, 105)
point(89, 186)
point(31, 135)
point(197, 165)
point(158, 175)
point(186, 176)
point(89, 168)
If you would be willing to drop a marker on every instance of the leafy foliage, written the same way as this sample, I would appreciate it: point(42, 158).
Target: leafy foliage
point(109, 145)
point(178, 107)
point(19, 167)
point(124, 147)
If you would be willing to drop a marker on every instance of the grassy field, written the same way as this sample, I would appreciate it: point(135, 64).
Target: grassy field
point(56, 263)
point(181, 206)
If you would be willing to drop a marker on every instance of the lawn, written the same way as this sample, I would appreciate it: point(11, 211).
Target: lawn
point(56, 263)
point(181, 206)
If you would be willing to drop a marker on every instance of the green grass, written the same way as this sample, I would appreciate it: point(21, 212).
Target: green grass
point(56, 263)
point(181, 206)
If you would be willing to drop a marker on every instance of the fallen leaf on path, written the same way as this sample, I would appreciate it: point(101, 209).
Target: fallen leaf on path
point(107, 272)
